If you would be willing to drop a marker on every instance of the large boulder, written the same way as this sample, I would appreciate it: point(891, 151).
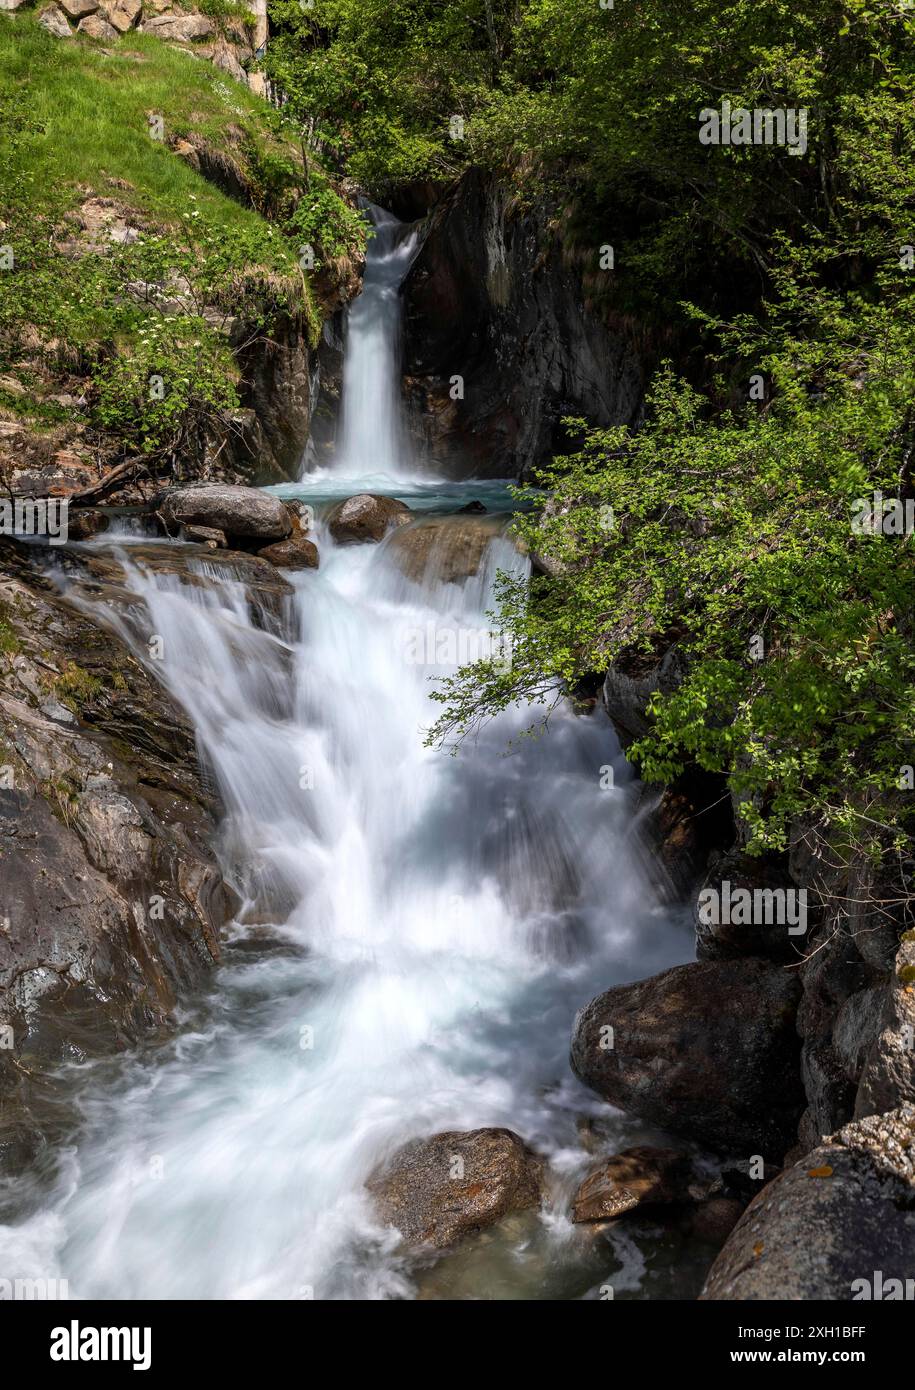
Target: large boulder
point(123, 14)
point(366, 517)
point(447, 551)
point(439, 1189)
point(55, 21)
point(97, 27)
point(243, 512)
point(78, 9)
point(185, 28)
point(631, 682)
point(707, 1050)
point(733, 879)
point(838, 1225)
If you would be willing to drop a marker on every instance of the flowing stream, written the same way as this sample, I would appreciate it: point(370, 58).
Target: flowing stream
point(417, 932)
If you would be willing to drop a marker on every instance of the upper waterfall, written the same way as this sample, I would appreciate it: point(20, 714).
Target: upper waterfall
point(373, 443)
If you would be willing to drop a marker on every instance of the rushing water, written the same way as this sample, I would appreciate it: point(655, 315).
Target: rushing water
point(373, 440)
point(417, 932)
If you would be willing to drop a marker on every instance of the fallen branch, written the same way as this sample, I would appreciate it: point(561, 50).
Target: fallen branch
point(129, 469)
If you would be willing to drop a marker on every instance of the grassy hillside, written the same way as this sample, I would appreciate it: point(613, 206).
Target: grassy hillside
point(92, 106)
point(128, 263)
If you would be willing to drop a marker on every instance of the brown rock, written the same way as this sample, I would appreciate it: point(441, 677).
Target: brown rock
point(298, 553)
point(446, 1187)
point(78, 9)
point(714, 1220)
point(225, 57)
point(97, 28)
point(55, 21)
point(185, 28)
point(888, 1078)
point(366, 517)
point(209, 536)
point(831, 1226)
point(639, 1177)
point(107, 805)
point(124, 14)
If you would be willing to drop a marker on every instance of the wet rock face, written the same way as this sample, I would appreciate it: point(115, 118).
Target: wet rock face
point(636, 1178)
point(366, 518)
point(241, 512)
point(489, 297)
point(707, 1050)
point(724, 934)
point(439, 1189)
point(838, 1225)
point(112, 899)
point(629, 686)
point(99, 575)
point(83, 525)
point(447, 551)
point(283, 389)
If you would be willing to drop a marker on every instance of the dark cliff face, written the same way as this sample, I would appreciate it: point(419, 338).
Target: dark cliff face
point(112, 898)
point(489, 298)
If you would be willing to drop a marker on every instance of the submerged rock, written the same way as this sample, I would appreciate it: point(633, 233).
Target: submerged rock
point(838, 1225)
point(83, 525)
point(708, 1050)
point(190, 567)
point(439, 1189)
point(447, 551)
point(243, 512)
point(639, 1177)
point(366, 517)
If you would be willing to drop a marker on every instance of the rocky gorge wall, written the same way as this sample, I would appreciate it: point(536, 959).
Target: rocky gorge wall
point(492, 299)
point(112, 897)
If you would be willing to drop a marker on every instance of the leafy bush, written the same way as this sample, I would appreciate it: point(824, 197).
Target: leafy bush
point(723, 526)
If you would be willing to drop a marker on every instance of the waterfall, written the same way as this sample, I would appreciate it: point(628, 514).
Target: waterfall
point(415, 935)
point(373, 445)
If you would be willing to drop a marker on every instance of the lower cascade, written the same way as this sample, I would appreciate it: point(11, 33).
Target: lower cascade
point(415, 934)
